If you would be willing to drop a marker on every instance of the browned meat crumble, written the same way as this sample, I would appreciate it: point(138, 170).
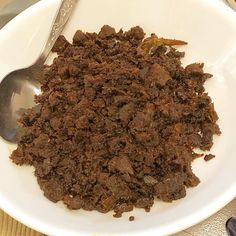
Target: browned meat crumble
point(209, 157)
point(131, 218)
point(115, 128)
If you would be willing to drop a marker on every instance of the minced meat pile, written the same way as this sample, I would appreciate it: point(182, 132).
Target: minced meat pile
point(115, 128)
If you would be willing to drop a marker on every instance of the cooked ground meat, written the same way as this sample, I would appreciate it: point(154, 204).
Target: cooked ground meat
point(115, 129)
point(131, 218)
point(209, 157)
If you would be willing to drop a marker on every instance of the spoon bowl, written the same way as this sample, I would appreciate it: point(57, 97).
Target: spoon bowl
point(17, 92)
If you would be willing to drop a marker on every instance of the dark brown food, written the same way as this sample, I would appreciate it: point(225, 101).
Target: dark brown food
point(209, 157)
point(114, 128)
point(131, 218)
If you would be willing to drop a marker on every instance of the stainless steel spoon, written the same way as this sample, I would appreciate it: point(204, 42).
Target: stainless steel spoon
point(231, 226)
point(10, 8)
point(232, 3)
point(17, 89)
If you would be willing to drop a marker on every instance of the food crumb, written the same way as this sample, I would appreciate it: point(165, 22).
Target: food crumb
point(131, 218)
point(208, 157)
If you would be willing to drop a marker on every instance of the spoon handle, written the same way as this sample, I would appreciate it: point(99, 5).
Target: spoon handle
point(63, 14)
point(232, 3)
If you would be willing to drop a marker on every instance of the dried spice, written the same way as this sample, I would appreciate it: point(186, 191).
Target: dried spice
point(153, 42)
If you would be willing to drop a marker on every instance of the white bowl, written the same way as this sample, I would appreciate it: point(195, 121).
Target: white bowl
point(210, 28)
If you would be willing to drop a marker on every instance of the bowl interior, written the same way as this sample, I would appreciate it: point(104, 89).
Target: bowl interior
point(210, 30)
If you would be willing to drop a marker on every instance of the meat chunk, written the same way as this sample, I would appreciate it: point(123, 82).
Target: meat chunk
point(60, 45)
point(158, 75)
point(194, 69)
point(79, 38)
point(171, 188)
point(107, 31)
point(121, 164)
point(209, 157)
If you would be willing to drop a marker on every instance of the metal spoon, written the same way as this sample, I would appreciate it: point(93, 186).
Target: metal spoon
point(231, 226)
point(10, 8)
point(17, 89)
point(232, 3)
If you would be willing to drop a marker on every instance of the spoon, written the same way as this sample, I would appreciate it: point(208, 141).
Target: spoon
point(231, 226)
point(232, 3)
point(17, 89)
